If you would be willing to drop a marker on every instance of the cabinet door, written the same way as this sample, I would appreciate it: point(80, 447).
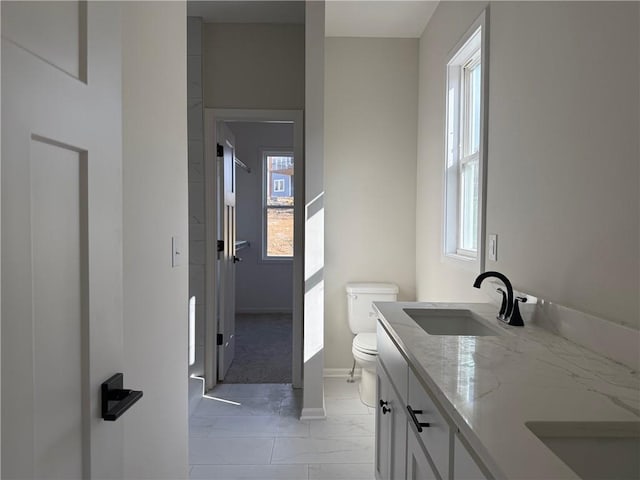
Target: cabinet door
point(383, 426)
point(464, 466)
point(391, 431)
point(418, 465)
point(398, 430)
point(437, 438)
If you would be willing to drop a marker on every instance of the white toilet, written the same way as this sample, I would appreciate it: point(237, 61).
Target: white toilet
point(362, 322)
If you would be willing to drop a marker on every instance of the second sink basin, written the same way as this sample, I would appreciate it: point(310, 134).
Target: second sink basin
point(594, 450)
point(449, 321)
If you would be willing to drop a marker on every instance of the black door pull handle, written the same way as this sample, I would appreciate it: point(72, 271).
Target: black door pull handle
point(115, 399)
point(417, 423)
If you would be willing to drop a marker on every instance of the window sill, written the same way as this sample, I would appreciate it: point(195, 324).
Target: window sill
point(275, 260)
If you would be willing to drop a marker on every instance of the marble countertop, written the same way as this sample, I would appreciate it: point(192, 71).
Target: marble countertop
point(490, 386)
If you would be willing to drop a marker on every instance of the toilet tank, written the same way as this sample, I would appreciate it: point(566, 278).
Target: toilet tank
point(361, 316)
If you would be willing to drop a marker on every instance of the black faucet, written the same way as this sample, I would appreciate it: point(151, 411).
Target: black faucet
point(514, 320)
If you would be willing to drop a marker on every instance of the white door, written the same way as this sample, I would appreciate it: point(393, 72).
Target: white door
point(61, 238)
point(227, 257)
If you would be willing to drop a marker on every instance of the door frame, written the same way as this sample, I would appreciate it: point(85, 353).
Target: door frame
point(211, 117)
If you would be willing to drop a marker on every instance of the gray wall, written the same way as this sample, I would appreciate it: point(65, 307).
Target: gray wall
point(371, 96)
point(255, 66)
point(260, 286)
point(154, 117)
point(563, 177)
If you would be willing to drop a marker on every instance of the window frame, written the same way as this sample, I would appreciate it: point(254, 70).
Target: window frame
point(469, 52)
point(264, 153)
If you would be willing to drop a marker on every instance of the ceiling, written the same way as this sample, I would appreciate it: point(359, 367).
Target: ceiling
point(344, 18)
point(377, 18)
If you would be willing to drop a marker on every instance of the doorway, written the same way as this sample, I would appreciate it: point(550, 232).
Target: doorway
point(264, 199)
point(263, 243)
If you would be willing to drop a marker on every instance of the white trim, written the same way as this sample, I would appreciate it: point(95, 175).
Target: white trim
point(313, 414)
point(243, 115)
point(341, 373)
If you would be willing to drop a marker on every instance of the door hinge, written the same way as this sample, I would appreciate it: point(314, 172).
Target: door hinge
point(220, 339)
point(221, 245)
point(219, 150)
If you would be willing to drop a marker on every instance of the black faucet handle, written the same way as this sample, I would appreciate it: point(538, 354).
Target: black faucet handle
point(503, 305)
point(516, 318)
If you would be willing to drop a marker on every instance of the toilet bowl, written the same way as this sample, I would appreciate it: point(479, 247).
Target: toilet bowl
point(365, 353)
point(363, 322)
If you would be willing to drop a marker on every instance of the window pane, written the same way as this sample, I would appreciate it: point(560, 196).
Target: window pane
point(279, 180)
point(474, 109)
point(469, 206)
point(451, 127)
point(279, 232)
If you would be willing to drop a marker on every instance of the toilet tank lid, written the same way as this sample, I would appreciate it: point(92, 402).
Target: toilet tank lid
point(372, 287)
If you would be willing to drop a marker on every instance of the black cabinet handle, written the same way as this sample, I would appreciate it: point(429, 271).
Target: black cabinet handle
point(115, 399)
point(418, 424)
point(383, 406)
point(385, 410)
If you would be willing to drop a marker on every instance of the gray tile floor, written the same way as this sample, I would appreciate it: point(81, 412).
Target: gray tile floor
point(252, 432)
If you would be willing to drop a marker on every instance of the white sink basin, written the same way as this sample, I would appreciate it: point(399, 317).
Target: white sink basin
point(594, 450)
point(449, 321)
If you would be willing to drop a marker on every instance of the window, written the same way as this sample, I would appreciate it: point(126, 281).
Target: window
point(278, 185)
point(277, 205)
point(465, 147)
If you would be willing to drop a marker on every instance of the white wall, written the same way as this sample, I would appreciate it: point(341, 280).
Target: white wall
point(260, 286)
point(313, 289)
point(563, 176)
point(254, 66)
point(435, 280)
point(155, 208)
point(371, 95)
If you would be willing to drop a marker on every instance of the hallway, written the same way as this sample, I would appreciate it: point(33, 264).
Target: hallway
point(253, 432)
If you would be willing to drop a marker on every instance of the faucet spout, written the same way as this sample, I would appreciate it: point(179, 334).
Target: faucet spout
point(480, 278)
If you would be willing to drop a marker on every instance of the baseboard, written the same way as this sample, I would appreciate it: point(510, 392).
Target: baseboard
point(313, 414)
point(264, 310)
point(340, 372)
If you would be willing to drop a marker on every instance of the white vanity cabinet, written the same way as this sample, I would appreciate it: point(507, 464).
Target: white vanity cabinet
point(402, 451)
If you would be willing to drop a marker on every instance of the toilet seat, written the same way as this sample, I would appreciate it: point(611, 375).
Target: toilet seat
point(366, 343)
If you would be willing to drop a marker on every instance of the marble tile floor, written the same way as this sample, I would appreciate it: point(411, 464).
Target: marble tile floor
point(242, 431)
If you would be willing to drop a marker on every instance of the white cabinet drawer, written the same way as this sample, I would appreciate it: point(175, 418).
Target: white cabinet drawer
point(437, 437)
point(393, 361)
